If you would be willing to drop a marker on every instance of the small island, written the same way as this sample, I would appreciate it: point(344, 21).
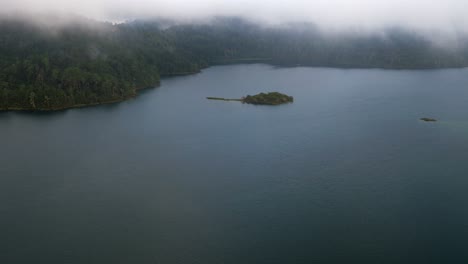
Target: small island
point(273, 98)
point(426, 119)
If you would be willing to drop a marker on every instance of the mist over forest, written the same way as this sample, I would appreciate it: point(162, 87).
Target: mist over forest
point(268, 131)
point(440, 15)
point(56, 54)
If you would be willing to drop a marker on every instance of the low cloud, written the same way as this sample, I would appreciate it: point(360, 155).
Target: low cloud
point(441, 15)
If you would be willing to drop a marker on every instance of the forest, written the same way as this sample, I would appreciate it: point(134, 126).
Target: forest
point(87, 62)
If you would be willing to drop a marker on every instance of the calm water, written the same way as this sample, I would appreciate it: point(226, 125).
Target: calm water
point(346, 174)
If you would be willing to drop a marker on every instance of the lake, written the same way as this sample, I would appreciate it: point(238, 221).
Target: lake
point(345, 174)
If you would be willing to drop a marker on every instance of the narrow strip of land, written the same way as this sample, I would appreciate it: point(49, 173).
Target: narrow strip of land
point(273, 98)
point(223, 99)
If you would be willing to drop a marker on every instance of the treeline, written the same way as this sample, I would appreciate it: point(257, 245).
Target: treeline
point(43, 68)
point(47, 67)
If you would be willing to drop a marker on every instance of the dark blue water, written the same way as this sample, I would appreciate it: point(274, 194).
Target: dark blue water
point(345, 174)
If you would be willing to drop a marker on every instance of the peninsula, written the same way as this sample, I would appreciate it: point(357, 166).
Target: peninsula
point(273, 98)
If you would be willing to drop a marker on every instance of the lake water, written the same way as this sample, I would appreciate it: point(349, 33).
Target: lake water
point(345, 174)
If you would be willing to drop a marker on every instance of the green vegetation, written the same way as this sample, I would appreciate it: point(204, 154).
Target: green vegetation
point(79, 65)
point(44, 67)
point(274, 98)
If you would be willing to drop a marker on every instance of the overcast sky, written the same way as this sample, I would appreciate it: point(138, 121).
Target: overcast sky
point(426, 14)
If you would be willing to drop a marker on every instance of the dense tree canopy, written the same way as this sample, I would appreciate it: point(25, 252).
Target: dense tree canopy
point(89, 62)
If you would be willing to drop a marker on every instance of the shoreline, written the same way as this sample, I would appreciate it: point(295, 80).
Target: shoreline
point(234, 62)
point(18, 109)
point(56, 109)
point(76, 106)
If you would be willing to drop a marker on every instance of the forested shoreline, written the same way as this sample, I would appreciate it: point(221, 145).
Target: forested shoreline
point(46, 67)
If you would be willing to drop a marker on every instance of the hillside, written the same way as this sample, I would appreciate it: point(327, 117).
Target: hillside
point(45, 67)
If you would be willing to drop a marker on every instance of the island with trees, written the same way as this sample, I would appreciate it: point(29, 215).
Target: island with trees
point(273, 98)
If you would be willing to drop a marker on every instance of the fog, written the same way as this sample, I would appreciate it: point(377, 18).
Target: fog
point(441, 15)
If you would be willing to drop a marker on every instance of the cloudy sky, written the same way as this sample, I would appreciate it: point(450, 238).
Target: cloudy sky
point(427, 14)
